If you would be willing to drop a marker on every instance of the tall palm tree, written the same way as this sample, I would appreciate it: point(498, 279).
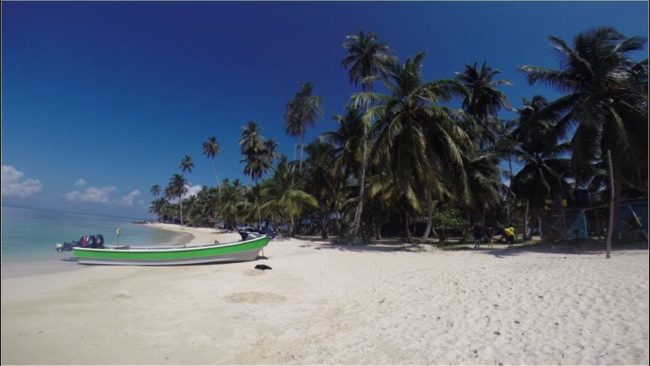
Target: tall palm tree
point(302, 112)
point(270, 152)
point(366, 61)
point(545, 164)
point(604, 99)
point(483, 99)
point(176, 189)
point(155, 190)
point(348, 141)
point(211, 149)
point(186, 164)
point(252, 148)
point(416, 136)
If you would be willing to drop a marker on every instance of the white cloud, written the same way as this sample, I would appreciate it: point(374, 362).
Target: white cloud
point(14, 186)
point(129, 198)
point(80, 182)
point(92, 195)
point(191, 191)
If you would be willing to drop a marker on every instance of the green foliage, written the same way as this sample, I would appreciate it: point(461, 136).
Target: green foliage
point(397, 151)
point(449, 220)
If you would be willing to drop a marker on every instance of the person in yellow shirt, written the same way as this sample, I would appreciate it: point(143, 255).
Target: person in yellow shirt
point(509, 233)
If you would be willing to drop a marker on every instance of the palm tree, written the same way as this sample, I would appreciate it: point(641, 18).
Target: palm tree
point(324, 181)
point(366, 60)
point(176, 189)
point(155, 190)
point(253, 149)
point(302, 111)
point(416, 137)
point(231, 203)
point(348, 141)
point(545, 165)
point(270, 151)
point(211, 149)
point(604, 100)
point(254, 203)
point(186, 164)
point(284, 196)
point(483, 99)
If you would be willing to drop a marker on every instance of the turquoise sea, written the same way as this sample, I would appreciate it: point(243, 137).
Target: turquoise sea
point(30, 234)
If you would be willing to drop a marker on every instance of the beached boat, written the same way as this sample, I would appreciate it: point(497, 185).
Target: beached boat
point(240, 251)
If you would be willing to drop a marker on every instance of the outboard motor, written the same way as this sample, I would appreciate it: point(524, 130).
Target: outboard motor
point(247, 235)
point(88, 241)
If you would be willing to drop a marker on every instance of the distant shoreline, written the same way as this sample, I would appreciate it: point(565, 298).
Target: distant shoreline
point(196, 235)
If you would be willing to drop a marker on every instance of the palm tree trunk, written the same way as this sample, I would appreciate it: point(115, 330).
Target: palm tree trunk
point(614, 204)
point(526, 221)
point(427, 229)
point(323, 226)
point(509, 185)
point(216, 177)
point(560, 205)
point(362, 184)
point(407, 230)
point(180, 203)
point(292, 229)
point(378, 231)
point(302, 150)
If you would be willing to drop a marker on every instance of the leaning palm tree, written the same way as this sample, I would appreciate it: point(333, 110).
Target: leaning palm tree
point(211, 149)
point(366, 61)
point(186, 164)
point(176, 189)
point(604, 99)
point(302, 112)
point(155, 190)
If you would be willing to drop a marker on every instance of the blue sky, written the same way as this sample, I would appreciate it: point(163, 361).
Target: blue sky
point(112, 95)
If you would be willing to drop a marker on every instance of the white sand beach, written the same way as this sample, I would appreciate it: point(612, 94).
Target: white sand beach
point(329, 304)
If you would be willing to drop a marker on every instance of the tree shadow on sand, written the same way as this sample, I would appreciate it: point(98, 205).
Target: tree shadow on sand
point(570, 248)
point(377, 246)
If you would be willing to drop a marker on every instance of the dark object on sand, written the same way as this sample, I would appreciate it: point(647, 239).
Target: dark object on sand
point(262, 267)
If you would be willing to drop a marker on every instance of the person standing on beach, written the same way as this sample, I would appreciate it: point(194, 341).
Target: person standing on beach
point(478, 235)
point(489, 233)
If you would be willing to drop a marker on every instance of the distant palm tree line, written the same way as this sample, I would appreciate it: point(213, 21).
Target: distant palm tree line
point(400, 155)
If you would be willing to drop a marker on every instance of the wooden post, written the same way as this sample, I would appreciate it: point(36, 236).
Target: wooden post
point(610, 228)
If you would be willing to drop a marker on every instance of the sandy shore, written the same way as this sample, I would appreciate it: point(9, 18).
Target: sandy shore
point(328, 304)
point(197, 235)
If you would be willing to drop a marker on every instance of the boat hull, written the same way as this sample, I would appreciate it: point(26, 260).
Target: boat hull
point(151, 256)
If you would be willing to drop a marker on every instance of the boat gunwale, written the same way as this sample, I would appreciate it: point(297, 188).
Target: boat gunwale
point(153, 249)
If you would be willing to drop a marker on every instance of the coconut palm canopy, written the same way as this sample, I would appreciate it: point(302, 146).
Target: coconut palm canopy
point(403, 151)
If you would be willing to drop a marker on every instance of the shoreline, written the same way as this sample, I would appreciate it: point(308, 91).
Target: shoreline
point(28, 267)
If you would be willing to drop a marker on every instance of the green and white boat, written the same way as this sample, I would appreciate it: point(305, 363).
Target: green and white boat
point(240, 251)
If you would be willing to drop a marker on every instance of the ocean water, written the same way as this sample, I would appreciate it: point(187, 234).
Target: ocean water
point(30, 234)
